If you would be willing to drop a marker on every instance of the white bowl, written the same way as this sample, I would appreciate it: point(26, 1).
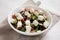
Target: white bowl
point(35, 33)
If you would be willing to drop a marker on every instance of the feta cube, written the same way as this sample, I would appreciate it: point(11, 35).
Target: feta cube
point(28, 14)
point(19, 24)
point(28, 29)
point(46, 23)
point(19, 16)
point(40, 18)
point(35, 22)
point(27, 22)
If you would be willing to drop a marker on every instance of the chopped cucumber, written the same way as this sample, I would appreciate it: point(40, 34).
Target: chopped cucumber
point(36, 29)
point(22, 29)
point(32, 25)
point(34, 17)
point(14, 24)
point(40, 24)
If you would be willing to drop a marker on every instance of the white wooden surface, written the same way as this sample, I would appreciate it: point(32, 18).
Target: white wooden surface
point(6, 33)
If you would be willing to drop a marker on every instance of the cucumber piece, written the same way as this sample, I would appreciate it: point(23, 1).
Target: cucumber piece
point(36, 29)
point(22, 29)
point(32, 25)
point(34, 17)
point(40, 24)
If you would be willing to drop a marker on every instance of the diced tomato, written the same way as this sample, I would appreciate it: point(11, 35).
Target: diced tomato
point(32, 29)
point(14, 16)
point(28, 18)
point(17, 27)
point(27, 9)
point(36, 10)
point(22, 20)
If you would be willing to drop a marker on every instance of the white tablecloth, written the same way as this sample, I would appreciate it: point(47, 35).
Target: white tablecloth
point(9, 34)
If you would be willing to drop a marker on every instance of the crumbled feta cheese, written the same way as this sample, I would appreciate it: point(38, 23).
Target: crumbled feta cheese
point(19, 24)
point(28, 14)
point(28, 28)
point(27, 22)
point(19, 16)
point(39, 31)
point(46, 23)
point(40, 17)
point(35, 22)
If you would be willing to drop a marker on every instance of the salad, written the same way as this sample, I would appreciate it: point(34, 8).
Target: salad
point(30, 20)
